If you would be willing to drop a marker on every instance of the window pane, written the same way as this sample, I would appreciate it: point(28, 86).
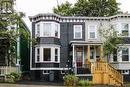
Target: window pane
point(38, 54)
point(125, 51)
point(47, 54)
point(125, 54)
point(125, 28)
point(92, 34)
point(56, 31)
point(47, 29)
point(125, 58)
point(56, 54)
point(115, 55)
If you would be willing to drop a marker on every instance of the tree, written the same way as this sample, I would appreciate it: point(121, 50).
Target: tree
point(9, 20)
point(94, 8)
point(111, 40)
point(64, 9)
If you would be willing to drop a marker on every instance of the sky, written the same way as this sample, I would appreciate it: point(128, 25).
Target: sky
point(33, 7)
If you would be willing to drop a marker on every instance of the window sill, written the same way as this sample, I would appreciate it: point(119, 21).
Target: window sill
point(47, 62)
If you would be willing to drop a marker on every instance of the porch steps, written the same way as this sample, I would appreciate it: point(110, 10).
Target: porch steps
point(104, 73)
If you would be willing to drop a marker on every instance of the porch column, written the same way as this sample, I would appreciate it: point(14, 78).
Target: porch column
point(88, 54)
point(73, 56)
point(101, 53)
point(94, 53)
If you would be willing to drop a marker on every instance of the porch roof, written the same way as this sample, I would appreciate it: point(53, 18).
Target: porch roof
point(85, 43)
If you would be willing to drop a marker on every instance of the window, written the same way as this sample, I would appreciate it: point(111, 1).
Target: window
point(92, 32)
point(92, 53)
point(115, 55)
point(125, 54)
point(37, 54)
point(125, 29)
point(46, 54)
point(46, 71)
point(79, 56)
point(77, 31)
point(125, 71)
point(46, 29)
point(56, 30)
point(56, 55)
point(38, 30)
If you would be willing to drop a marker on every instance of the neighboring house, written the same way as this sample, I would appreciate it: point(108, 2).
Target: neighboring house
point(21, 63)
point(66, 43)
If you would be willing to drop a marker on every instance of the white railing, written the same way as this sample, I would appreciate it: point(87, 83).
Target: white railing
point(7, 70)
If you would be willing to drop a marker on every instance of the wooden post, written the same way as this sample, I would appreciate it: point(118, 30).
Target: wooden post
point(88, 54)
point(94, 53)
point(101, 53)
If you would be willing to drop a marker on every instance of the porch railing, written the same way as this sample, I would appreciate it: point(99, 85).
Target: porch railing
point(7, 70)
point(112, 76)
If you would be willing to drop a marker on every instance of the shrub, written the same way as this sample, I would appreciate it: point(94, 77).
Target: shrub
point(84, 83)
point(70, 80)
point(13, 77)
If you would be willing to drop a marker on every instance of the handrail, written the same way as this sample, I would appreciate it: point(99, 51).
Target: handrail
point(104, 67)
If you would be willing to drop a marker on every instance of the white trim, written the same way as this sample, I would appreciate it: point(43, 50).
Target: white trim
point(83, 75)
point(49, 68)
point(74, 30)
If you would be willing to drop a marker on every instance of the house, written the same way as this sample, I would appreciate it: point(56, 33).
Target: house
point(68, 43)
point(21, 62)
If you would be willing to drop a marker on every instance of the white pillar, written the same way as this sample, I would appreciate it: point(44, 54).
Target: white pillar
point(73, 56)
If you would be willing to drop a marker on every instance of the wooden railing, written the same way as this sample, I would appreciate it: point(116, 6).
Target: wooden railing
point(7, 70)
point(101, 69)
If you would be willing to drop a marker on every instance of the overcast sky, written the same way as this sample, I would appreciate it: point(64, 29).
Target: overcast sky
point(33, 7)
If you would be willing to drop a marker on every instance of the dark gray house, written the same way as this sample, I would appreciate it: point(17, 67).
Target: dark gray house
point(66, 43)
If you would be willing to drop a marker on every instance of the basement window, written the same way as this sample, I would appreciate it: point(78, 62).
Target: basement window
point(125, 72)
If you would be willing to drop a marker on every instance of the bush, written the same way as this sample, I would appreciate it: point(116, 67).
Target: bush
point(13, 77)
point(70, 80)
point(84, 83)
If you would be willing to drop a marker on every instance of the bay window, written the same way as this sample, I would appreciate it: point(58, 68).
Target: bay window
point(47, 54)
point(77, 31)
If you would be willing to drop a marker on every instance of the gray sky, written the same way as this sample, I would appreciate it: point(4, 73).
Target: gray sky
point(33, 7)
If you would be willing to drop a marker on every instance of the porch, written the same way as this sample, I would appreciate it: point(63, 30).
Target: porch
point(89, 58)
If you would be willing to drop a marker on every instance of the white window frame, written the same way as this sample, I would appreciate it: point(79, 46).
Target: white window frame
point(74, 28)
point(37, 29)
point(95, 30)
point(52, 48)
point(125, 54)
point(121, 28)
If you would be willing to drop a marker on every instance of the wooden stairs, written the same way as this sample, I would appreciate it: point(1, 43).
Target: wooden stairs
point(104, 73)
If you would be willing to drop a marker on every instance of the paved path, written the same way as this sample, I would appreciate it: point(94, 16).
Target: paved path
point(41, 84)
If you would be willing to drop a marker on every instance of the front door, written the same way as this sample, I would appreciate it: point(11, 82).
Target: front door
point(79, 57)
